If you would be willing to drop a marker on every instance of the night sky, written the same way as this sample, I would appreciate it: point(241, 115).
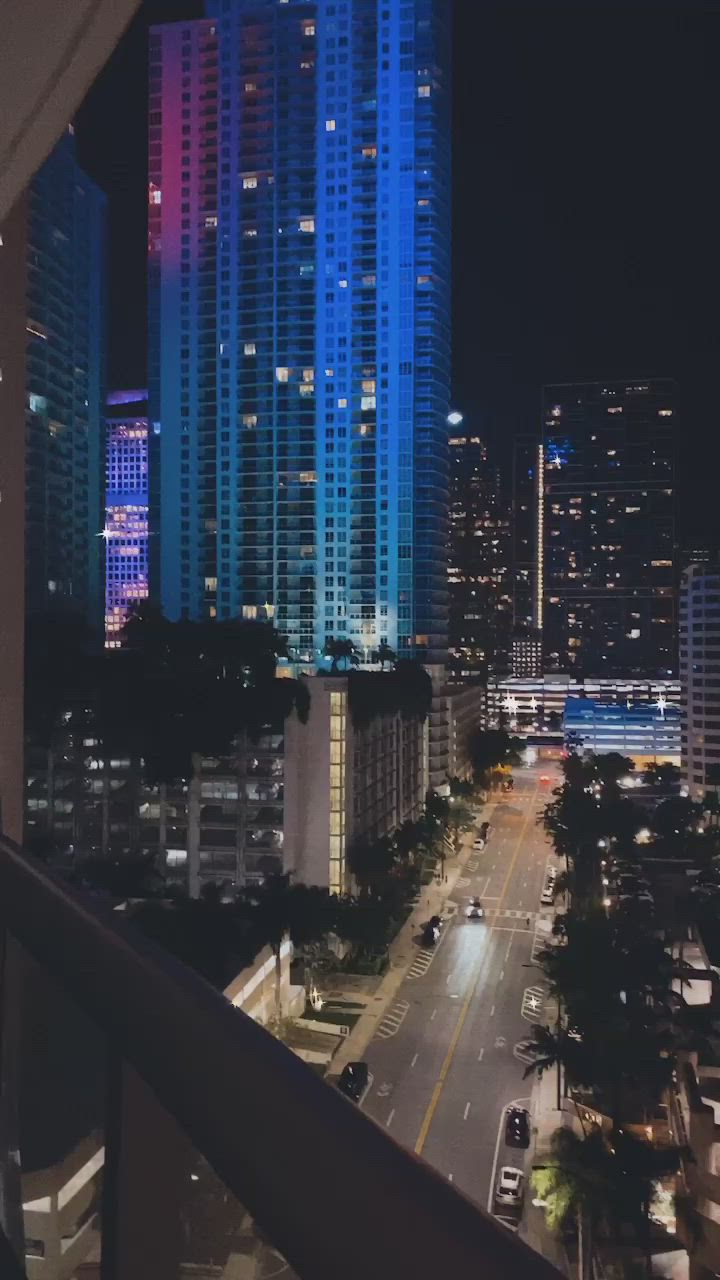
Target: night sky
point(586, 210)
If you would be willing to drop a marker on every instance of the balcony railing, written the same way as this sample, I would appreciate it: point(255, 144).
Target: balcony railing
point(162, 1134)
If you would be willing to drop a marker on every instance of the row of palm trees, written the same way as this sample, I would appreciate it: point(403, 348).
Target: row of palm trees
point(619, 1024)
point(378, 862)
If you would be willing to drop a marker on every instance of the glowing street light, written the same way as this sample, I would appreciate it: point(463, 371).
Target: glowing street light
point(454, 419)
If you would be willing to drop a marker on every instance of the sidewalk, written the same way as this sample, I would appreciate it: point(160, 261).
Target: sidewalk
point(545, 1119)
point(401, 953)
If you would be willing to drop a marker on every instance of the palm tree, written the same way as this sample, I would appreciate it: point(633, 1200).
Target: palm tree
point(277, 909)
point(371, 862)
point(576, 1185)
point(563, 1051)
point(341, 650)
point(384, 654)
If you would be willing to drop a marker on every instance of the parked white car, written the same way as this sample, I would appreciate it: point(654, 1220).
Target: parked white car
point(510, 1186)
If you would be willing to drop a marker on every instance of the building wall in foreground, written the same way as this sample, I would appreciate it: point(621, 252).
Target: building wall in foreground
point(253, 989)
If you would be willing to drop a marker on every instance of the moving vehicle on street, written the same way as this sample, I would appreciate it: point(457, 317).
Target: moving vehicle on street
point(547, 897)
point(354, 1080)
point(510, 1186)
point(517, 1127)
point(431, 931)
point(475, 911)
point(478, 844)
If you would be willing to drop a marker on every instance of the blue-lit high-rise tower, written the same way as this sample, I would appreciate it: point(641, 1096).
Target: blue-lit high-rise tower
point(65, 387)
point(299, 242)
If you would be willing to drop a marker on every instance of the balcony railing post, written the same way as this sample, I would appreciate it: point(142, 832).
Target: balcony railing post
point(145, 1154)
point(11, 984)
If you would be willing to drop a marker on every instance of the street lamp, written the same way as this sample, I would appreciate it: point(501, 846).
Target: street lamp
point(454, 419)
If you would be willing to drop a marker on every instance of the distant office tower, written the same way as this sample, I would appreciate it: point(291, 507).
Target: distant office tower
point(700, 678)
point(299, 202)
point(65, 375)
point(479, 567)
point(126, 509)
point(526, 653)
point(526, 530)
point(605, 523)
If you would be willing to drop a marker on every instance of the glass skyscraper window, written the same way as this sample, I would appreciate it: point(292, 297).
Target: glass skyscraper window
point(299, 301)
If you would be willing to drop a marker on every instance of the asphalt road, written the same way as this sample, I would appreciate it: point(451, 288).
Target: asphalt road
point(444, 1059)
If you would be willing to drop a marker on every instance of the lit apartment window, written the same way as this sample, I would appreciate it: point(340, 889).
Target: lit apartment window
point(665, 413)
point(211, 584)
point(308, 28)
point(250, 233)
point(249, 419)
point(308, 375)
point(250, 86)
point(249, 611)
point(307, 224)
point(250, 182)
point(423, 91)
point(249, 348)
point(282, 373)
point(342, 403)
point(329, 126)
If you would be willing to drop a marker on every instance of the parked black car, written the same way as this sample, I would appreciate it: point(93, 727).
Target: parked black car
point(517, 1127)
point(354, 1080)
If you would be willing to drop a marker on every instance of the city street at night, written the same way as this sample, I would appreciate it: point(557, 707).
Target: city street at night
point(445, 1060)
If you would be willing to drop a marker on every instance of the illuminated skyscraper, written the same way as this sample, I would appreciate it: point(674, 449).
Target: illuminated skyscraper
point(479, 571)
point(605, 520)
point(64, 379)
point(299, 317)
point(126, 509)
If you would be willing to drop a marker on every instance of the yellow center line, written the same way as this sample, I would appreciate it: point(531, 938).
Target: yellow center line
point(432, 1105)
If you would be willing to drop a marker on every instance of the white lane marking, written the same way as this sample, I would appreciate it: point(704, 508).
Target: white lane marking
point(516, 1102)
point(388, 1122)
point(532, 1004)
point(521, 1051)
point(432, 1015)
point(502, 975)
point(492, 1011)
point(465, 1112)
point(450, 1177)
point(448, 980)
point(415, 1058)
point(392, 1021)
point(480, 1055)
point(507, 953)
